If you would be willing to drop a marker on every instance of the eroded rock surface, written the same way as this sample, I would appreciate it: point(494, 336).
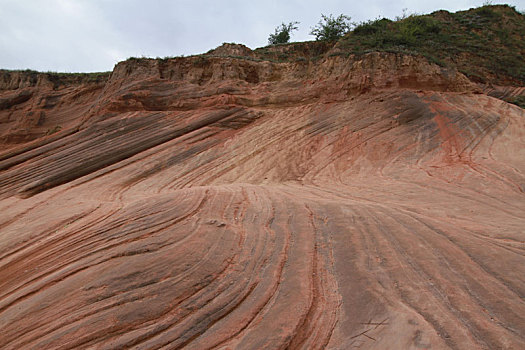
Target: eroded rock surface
point(216, 202)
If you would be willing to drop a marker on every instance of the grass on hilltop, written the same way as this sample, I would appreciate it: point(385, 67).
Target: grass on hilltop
point(485, 43)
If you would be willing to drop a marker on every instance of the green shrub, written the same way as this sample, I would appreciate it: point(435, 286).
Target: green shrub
point(414, 27)
point(330, 28)
point(282, 33)
point(371, 27)
point(486, 11)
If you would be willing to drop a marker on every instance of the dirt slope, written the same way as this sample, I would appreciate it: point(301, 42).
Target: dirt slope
point(371, 202)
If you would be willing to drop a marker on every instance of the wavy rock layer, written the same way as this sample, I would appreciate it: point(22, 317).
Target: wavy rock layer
point(373, 203)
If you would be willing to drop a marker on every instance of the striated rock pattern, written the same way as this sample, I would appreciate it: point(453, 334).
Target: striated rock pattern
point(220, 203)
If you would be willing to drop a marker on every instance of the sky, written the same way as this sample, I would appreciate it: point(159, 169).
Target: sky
point(93, 35)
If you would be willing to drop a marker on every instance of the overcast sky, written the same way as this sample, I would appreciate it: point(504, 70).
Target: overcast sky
point(93, 35)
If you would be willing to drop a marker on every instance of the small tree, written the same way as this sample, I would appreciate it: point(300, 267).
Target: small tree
point(282, 33)
point(330, 28)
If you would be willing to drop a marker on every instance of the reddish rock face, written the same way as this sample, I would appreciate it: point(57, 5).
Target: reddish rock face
point(211, 202)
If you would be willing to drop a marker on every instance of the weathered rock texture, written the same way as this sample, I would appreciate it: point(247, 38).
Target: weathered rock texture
point(213, 202)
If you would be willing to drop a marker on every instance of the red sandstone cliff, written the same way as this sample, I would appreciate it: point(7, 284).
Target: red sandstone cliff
point(372, 202)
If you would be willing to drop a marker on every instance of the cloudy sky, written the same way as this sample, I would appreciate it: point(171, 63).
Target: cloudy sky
point(93, 35)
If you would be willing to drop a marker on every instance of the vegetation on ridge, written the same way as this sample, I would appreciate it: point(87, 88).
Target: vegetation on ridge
point(485, 43)
point(282, 33)
point(59, 78)
point(330, 28)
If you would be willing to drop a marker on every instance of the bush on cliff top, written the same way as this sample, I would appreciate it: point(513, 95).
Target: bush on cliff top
point(330, 28)
point(282, 33)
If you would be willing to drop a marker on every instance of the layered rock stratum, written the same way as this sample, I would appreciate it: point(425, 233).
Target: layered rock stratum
point(372, 202)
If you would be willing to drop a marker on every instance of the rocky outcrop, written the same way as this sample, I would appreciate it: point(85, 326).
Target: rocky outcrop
point(231, 49)
point(378, 68)
point(214, 202)
point(12, 80)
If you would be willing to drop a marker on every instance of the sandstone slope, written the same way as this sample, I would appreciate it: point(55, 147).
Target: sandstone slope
point(371, 202)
